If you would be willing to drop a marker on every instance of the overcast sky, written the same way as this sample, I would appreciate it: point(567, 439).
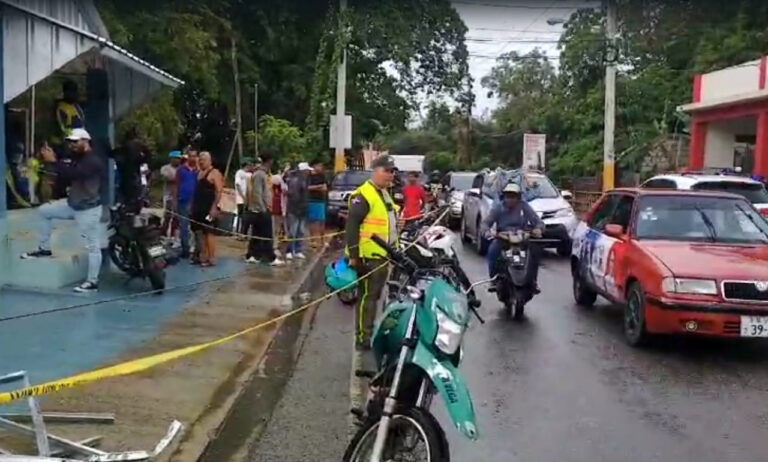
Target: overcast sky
point(499, 26)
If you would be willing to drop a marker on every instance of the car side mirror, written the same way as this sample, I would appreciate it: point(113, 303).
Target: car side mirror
point(567, 195)
point(614, 230)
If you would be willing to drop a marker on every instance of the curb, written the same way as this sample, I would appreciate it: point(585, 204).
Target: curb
point(291, 333)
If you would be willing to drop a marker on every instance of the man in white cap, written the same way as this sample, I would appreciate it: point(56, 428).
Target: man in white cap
point(83, 174)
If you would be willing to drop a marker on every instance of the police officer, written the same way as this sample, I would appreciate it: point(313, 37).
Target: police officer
point(371, 211)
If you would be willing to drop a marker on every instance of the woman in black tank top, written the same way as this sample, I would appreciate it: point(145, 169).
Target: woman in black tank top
point(205, 209)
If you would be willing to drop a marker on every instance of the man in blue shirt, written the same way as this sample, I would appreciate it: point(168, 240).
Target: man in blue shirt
point(508, 215)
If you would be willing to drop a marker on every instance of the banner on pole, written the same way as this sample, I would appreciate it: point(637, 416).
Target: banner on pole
point(346, 135)
point(534, 151)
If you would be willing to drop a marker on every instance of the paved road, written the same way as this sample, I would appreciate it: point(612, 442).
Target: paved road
point(311, 421)
point(561, 386)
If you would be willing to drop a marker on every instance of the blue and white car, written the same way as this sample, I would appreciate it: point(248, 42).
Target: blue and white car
point(550, 203)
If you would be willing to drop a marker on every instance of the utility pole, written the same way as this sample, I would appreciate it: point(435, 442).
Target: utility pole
point(238, 103)
point(339, 161)
point(256, 119)
point(610, 97)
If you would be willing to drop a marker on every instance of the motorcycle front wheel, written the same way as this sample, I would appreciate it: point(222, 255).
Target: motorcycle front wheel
point(414, 435)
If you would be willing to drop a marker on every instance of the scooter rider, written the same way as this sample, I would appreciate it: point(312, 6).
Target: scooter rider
point(510, 214)
point(371, 211)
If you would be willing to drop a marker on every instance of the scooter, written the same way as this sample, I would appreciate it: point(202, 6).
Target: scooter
point(515, 278)
point(417, 347)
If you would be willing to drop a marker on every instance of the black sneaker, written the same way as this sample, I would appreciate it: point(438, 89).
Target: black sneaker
point(86, 287)
point(39, 253)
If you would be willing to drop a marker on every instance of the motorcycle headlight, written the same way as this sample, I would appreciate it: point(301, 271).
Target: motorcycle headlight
point(689, 286)
point(449, 334)
point(563, 213)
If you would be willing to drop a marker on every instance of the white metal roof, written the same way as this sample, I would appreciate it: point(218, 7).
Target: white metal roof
point(35, 45)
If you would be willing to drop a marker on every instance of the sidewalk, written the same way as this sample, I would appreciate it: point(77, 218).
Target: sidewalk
point(197, 390)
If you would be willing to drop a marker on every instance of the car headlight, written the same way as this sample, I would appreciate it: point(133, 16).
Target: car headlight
point(689, 286)
point(449, 334)
point(563, 213)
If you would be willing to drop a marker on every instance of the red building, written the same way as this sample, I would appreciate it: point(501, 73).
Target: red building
point(729, 126)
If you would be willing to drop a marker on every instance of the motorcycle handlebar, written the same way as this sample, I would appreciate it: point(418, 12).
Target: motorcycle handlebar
point(394, 254)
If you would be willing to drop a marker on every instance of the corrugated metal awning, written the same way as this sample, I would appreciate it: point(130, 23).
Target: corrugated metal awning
point(36, 45)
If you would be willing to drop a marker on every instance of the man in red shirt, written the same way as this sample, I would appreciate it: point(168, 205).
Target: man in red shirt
point(414, 198)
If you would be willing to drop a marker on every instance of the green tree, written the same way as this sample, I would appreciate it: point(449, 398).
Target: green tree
point(283, 138)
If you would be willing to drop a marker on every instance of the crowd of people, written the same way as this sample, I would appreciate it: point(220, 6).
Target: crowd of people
point(276, 208)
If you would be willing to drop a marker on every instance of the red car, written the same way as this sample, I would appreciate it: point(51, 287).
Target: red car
point(680, 262)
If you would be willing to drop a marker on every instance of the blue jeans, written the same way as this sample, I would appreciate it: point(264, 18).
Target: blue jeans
point(88, 223)
point(494, 252)
point(296, 227)
point(184, 226)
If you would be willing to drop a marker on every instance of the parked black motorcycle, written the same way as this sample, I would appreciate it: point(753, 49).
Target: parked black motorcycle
point(136, 245)
point(516, 275)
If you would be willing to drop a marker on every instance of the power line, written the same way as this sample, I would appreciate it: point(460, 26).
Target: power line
point(500, 40)
point(517, 58)
point(522, 7)
point(492, 29)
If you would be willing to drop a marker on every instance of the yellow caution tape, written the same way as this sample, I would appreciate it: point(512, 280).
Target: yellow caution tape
point(148, 362)
point(248, 236)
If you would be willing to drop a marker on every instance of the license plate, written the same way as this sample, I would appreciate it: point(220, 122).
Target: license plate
point(156, 251)
point(754, 326)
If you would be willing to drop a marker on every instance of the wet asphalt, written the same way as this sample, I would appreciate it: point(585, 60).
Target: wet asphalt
point(563, 386)
point(560, 386)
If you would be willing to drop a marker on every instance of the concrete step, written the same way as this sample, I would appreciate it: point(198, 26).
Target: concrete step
point(63, 269)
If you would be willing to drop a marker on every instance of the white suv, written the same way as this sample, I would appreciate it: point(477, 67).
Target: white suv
point(545, 199)
point(752, 190)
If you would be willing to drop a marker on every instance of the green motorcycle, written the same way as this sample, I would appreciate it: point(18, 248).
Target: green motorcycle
point(417, 347)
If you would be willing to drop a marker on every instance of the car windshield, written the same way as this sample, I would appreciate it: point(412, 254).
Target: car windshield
point(350, 178)
point(699, 219)
point(753, 192)
point(539, 187)
point(462, 182)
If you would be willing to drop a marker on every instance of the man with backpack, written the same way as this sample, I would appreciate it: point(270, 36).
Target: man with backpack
point(297, 195)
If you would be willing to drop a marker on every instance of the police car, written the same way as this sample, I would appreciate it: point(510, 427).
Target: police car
point(752, 190)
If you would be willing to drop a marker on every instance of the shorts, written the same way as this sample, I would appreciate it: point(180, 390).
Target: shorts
point(316, 212)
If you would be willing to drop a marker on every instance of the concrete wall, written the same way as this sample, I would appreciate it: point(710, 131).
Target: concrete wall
point(719, 146)
point(731, 81)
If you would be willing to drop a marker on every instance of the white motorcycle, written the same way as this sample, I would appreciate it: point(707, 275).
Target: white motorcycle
point(434, 248)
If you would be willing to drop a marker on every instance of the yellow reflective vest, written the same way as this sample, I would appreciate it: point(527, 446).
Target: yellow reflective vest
point(377, 221)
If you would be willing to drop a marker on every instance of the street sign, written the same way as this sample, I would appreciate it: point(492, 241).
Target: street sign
point(534, 150)
point(346, 136)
